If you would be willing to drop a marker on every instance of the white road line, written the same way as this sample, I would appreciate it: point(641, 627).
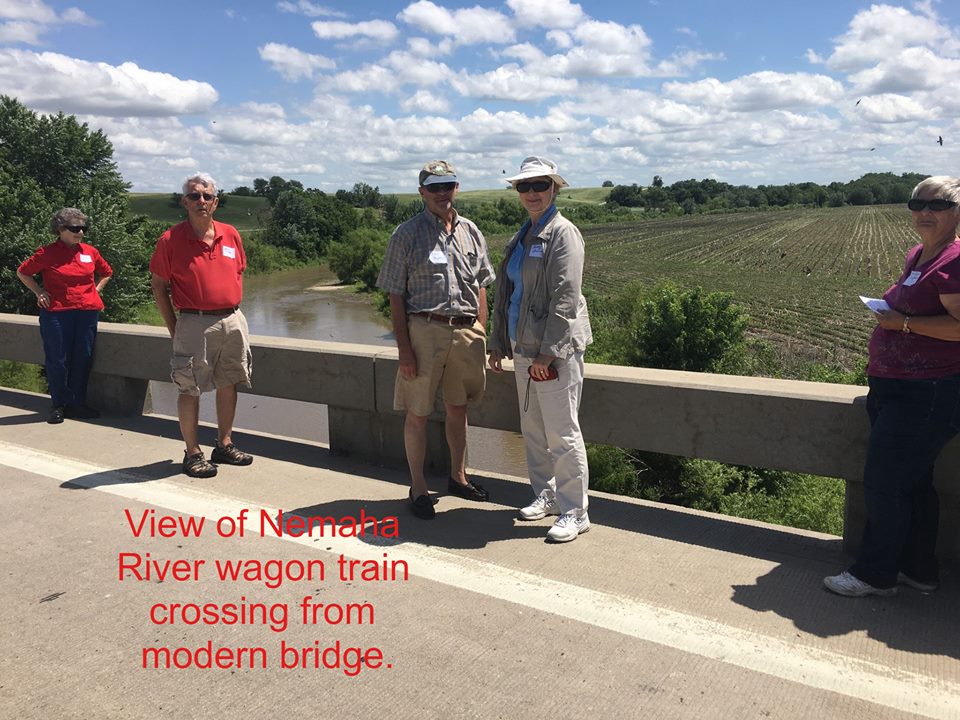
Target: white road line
point(813, 667)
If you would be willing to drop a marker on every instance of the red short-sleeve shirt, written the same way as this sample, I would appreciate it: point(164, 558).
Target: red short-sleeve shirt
point(201, 277)
point(68, 273)
point(911, 356)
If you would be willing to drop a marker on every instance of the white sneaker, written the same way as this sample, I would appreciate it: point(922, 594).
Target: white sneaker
point(568, 526)
point(850, 586)
point(540, 508)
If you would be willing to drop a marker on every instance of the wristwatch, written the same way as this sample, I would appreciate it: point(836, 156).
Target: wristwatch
point(906, 323)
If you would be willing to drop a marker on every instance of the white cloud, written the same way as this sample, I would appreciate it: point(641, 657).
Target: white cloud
point(551, 14)
point(18, 31)
point(292, 63)
point(33, 10)
point(683, 62)
point(260, 130)
point(430, 48)
point(813, 58)
point(760, 91)
point(466, 26)
point(426, 102)
point(883, 31)
point(370, 78)
point(374, 29)
point(51, 81)
point(907, 71)
point(27, 20)
point(891, 108)
point(76, 16)
point(511, 82)
point(560, 39)
point(304, 7)
point(417, 71)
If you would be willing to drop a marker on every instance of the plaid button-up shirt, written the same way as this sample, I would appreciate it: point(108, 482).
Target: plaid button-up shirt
point(436, 271)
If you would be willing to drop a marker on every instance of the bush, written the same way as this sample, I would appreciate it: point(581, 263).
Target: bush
point(22, 376)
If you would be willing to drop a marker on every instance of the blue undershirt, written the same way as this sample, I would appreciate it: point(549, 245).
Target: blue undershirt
point(515, 271)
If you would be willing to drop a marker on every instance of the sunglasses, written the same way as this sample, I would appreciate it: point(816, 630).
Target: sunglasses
point(75, 228)
point(194, 196)
point(536, 186)
point(938, 205)
point(440, 187)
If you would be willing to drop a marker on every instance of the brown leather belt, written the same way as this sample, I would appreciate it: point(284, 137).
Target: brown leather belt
point(447, 319)
point(220, 312)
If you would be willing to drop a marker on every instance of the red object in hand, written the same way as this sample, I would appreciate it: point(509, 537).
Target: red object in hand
point(551, 374)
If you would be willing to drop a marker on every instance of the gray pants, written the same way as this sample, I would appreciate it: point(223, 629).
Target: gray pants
point(556, 454)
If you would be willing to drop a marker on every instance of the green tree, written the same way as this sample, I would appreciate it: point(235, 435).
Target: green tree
point(307, 221)
point(347, 258)
point(52, 161)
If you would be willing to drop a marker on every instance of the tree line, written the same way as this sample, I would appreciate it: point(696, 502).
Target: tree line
point(691, 196)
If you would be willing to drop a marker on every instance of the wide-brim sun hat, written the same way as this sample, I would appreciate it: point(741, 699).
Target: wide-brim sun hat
point(534, 166)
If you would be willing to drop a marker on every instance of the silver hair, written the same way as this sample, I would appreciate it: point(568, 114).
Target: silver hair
point(203, 178)
point(941, 186)
point(66, 216)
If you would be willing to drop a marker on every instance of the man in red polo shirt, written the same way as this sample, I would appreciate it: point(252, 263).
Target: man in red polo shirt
point(197, 280)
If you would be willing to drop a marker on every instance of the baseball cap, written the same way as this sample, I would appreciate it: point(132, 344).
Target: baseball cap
point(437, 171)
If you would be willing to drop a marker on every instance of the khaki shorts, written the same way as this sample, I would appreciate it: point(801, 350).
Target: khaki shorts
point(211, 352)
point(449, 357)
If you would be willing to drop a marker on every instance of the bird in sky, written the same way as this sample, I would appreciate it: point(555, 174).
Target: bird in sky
point(858, 102)
point(940, 140)
point(872, 149)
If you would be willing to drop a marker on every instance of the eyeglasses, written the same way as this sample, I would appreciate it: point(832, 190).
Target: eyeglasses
point(938, 205)
point(75, 228)
point(440, 187)
point(194, 196)
point(536, 186)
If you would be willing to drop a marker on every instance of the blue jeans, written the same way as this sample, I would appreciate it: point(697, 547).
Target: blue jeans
point(911, 421)
point(68, 337)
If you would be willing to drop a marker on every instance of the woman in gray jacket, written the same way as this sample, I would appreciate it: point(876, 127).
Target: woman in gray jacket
point(540, 320)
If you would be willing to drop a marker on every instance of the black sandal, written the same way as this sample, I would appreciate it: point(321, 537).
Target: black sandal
point(197, 466)
point(230, 455)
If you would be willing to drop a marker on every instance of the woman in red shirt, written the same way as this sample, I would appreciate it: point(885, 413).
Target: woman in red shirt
point(913, 403)
point(73, 275)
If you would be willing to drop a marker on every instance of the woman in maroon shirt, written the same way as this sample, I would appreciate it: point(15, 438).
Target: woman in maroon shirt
point(913, 403)
point(73, 275)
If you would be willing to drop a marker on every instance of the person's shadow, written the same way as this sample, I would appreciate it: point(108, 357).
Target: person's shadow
point(463, 527)
point(910, 621)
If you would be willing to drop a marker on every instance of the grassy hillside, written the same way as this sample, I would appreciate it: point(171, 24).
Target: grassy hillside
point(244, 213)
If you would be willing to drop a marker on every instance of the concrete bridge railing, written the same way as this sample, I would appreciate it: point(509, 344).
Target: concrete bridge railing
point(790, 425)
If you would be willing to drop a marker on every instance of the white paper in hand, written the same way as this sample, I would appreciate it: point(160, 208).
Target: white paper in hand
point(875, 304)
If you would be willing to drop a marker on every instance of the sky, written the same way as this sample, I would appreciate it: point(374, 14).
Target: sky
point(339, 92)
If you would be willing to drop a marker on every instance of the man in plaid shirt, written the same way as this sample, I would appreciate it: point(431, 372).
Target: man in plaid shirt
point(436, 271)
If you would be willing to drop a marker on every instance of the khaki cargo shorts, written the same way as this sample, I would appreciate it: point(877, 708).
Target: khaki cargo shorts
point(211, 352)
point(449, 357)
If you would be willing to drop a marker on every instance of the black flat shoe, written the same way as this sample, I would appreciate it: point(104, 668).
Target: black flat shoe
point(470, 491)
point(422, 506)
point(56, 416)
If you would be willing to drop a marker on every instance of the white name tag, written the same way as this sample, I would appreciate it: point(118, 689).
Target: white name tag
point(536, 250)
point(85, 258)
point(912, 278)
point(230, 252)
point(438, 257)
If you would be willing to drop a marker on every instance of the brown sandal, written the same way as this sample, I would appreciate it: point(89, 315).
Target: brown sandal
point(197, 466)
